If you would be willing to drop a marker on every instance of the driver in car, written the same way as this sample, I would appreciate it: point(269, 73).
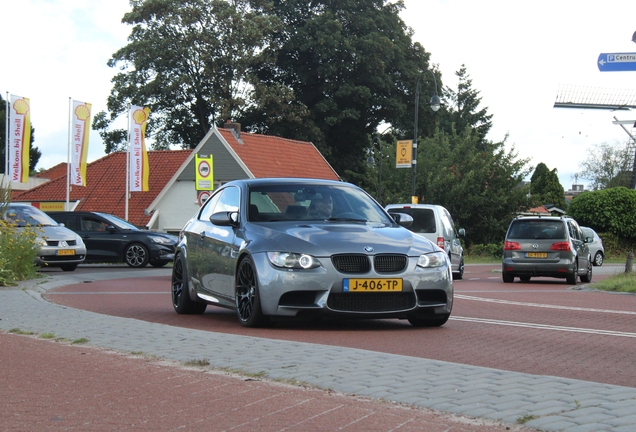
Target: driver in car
point(321, 207)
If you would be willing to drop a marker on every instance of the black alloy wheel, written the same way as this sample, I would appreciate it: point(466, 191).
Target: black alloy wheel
point(181, 301)
point(248, 302)
point(137, 255)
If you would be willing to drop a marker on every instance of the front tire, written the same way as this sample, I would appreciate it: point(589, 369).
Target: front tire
point(68, 267)
point(137, 255)
point(181, 301)
point(460, 274)
point(248, 299)
point(598, 258)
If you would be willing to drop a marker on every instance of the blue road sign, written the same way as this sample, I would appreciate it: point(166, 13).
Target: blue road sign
point(617, 62)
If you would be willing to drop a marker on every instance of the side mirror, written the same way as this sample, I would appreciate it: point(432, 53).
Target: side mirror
point(225, 218)
point(402, 219)
point(461, 232)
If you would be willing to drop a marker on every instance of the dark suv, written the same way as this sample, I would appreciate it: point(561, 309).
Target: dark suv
point(546, 246)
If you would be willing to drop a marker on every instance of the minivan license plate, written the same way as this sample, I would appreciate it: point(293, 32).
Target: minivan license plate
point(371, 285)
point(66, 252)
point(536, 255)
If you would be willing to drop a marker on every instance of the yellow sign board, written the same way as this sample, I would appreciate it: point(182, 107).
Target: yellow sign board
point(204, 172)
point(404, 154)
point(50, 206)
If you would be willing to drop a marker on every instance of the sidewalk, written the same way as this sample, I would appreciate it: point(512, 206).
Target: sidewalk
point(48, 385)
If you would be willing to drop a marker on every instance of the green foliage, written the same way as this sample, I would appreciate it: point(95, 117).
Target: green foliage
point(353, 65)
point(608, 166)
point(487, 251)
point(622, 282)
point(18, 249)
point(545, 187)
point(463, 109)
point(480, 183)
point(34, 153)
point(609, 210)
point(190, 62)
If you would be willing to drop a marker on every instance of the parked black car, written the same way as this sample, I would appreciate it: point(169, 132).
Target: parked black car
point(111, 239)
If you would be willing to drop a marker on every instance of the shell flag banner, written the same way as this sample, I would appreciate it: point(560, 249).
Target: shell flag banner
point(81, 119)
point(138, 169)
point(19, 139)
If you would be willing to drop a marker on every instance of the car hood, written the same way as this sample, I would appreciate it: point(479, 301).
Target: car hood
point(325, 239)
point(57, 233)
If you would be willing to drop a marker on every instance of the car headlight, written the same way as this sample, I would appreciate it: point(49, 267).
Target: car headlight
point(40, 241)
point(435, 259)
point(78, 240)
point(162, 240)
point(292, 260)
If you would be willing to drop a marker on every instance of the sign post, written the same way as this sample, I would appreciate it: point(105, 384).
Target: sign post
point(404, 154)
point(617, 62)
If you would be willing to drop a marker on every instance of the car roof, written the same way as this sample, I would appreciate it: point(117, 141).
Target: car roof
point(287, 180)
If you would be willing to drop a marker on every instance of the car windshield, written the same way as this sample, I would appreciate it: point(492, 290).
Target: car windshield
point(119, 223)
point(22, 216)
point(537, 229)
point(276, 202)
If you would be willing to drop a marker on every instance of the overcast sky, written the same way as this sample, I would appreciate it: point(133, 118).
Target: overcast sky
point(517, 54)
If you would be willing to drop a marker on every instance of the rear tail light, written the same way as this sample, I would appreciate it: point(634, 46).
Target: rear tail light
point(560, 246)
point(440, 242)
point(512, 246)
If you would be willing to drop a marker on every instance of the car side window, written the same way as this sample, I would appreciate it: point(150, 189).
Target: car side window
point(91, 224)
point(574, 230)
point(225, 200)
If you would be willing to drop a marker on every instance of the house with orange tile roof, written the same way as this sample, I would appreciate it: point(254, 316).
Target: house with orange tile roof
point(173, 198)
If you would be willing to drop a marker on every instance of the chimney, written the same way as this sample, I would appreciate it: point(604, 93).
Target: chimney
point(235, 127)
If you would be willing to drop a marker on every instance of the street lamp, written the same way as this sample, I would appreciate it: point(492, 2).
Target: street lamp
point(371, 162)
point(435, 104)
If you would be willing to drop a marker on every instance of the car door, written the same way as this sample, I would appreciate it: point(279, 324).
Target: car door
point(451, 240)
point(582, 251)
point(103, 241)
point(216, 249)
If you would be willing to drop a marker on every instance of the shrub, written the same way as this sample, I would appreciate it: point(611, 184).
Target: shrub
point(492, 250)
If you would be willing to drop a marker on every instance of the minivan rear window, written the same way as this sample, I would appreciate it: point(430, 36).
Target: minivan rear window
point(536, 229)
point(423, 219)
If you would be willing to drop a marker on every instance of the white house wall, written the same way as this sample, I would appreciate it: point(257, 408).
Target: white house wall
point(177, 206)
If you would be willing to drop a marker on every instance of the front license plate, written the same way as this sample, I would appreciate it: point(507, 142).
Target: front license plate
point(66, 252)
point(536, 255)
point(368, 285)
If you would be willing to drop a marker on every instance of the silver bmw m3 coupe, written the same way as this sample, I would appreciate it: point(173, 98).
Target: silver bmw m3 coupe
point(307, 248)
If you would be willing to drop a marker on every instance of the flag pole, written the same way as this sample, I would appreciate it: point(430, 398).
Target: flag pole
point(128, 165)
point(6, 142)
point(67, 207)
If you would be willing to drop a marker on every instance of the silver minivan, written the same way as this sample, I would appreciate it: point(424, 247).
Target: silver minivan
point(436, 224)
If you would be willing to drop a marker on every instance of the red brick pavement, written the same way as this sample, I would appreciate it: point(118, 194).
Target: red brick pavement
point(48, 385)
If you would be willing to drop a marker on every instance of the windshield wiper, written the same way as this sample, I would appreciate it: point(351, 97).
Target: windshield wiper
point(346, 219)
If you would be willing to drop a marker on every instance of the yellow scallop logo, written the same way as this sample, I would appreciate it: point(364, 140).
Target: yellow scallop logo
point(21, 106)
point(82, 112)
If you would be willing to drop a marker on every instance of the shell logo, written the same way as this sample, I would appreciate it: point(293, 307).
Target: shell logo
point(139, 116)
point(82, 112)
point(21, 106)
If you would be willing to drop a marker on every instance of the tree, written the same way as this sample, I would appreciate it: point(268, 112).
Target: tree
point(462, 108)
point(353, 65)
point(189, 61)
point(34, 153)
point(545, 187)
point(610, 210)
point(608, 166)
point(479, 182)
